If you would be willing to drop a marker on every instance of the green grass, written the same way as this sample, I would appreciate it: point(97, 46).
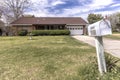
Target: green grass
point(47, 58)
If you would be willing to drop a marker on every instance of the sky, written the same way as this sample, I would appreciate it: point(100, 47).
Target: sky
point(73, 8)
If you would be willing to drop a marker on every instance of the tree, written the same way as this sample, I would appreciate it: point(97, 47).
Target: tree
point(13, 9)
point(0, 14)
point(115, 21)
point(94, 18)
point(118, 23)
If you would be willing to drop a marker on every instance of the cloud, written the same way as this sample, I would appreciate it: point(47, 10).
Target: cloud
point(70, 8)
point(115, 5)
point(58, 2)
point(100, 3)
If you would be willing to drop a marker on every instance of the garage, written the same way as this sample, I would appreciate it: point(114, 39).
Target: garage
point(75, 30)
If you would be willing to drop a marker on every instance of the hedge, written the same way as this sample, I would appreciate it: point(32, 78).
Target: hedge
point(50, 32)
point(22, 32)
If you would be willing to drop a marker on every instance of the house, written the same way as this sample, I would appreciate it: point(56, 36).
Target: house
point(76, 25)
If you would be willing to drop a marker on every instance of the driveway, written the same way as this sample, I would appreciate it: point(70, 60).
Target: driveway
point(110, 46)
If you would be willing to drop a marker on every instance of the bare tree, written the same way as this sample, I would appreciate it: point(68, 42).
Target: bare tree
point(13, 9)
point(115, 21)
point(0, 12)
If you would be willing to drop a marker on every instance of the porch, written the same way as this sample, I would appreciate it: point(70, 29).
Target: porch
point(49, 27)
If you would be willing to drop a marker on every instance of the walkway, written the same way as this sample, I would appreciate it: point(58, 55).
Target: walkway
point(111, 46)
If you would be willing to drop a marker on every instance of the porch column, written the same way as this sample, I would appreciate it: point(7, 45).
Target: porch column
point(45, 27)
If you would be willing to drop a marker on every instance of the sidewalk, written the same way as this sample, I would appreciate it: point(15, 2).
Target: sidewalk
point(111, 46)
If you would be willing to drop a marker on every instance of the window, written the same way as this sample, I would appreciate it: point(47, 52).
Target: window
point(24, 28)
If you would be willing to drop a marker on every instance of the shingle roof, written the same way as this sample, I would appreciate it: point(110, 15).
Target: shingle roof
point(49, 20)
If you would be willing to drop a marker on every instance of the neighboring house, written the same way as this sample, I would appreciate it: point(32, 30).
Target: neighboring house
point(76, 25)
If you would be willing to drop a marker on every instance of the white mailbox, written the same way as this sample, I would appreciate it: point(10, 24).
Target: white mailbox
point(100, 28)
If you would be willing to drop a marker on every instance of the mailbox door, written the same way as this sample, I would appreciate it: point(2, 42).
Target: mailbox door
point(92, 31)
point(105, 27)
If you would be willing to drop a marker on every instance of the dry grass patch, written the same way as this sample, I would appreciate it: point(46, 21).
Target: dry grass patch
point(115, 36)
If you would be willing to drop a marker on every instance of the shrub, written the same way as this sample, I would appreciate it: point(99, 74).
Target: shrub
point(111, 63)
point(113, 70)
point(50, 32)
point(22, 32)
point(89, 71)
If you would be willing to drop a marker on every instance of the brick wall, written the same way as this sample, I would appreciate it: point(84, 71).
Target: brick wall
point(16, 29)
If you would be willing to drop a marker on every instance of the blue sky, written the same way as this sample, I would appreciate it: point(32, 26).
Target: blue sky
point(74, 8)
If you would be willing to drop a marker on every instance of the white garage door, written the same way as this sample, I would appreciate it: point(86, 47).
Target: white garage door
point(77, 30)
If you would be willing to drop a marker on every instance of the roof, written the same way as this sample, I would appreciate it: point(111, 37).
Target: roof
point(49, 20)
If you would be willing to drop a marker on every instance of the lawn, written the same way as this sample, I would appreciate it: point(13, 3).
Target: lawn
point(115, 36)
point(47, 58)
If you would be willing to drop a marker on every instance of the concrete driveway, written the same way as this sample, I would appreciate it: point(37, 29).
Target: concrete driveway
point(110, 46)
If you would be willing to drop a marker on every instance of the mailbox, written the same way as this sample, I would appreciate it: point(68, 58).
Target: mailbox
point(100, 28)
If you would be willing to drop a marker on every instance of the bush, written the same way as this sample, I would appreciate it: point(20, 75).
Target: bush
point(111, 63)
point(50, 32)
point(22, 32)
point(89, 71)
point(113, 69)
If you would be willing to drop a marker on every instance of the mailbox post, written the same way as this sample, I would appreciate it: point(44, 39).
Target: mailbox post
point(97, 30)
point(100, 54)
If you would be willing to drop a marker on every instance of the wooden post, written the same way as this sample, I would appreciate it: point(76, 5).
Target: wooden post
point(100, 55)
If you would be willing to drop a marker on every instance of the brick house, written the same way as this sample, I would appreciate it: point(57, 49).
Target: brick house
point(76, 25)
